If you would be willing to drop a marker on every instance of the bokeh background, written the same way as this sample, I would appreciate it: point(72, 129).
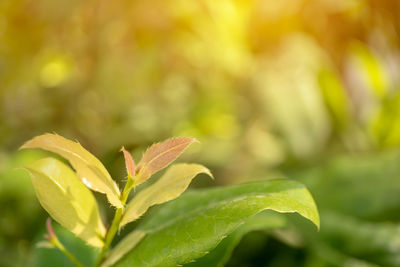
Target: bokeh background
point(305, 89)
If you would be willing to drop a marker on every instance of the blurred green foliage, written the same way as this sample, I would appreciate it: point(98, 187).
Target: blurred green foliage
point(308, 89)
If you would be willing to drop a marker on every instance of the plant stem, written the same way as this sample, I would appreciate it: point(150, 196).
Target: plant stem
point(52, 237)
point(71, 257)
point(115, 223)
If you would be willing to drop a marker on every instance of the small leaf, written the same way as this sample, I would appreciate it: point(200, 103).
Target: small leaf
point(129, 163)
point(89, 169)
point(160, 155)
point(67, 200)
point(189, 227)
point(51, 234)
point(171, 185)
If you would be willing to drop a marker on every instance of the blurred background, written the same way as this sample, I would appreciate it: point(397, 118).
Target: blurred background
point(304, 89)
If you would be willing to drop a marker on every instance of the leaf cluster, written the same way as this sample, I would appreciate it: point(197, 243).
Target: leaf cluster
point(183, 230)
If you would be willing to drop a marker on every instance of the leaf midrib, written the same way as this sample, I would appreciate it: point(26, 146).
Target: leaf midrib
point(161, 154)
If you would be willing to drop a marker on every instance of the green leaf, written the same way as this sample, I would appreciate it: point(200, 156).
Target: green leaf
point(376, 242)
point(67, 200)
point(190, 226)
point(160, 155)
point(89, 169)
point(219, 256)
point(123, 247)
point(171, 185)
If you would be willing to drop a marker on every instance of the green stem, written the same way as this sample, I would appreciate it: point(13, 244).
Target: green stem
point(71, 257)
point(115, 223)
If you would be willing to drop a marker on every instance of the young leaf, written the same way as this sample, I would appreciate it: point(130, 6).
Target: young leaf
point(67, 200)
point(129, 163)
point(89, 169)
point(160, 155)
point(171, 185)
point(190, 226)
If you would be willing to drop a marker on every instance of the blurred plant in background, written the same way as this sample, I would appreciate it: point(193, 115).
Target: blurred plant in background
point(308, 89)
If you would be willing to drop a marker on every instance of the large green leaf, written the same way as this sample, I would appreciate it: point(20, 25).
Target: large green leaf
point(89, 169)
point(190, 226)
point(219, 256)
point(67, 200)
point(171, 185)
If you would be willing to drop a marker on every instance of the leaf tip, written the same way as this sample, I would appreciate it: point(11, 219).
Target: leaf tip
point(24, 146)
point(209, 173)
point(191, 139)
point(317, 223)
point(31, 142)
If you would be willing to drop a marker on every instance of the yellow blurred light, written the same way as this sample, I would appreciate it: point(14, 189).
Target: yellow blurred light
point(220, 125)
point(264, 146)
point(55, 72)
point(185, 128)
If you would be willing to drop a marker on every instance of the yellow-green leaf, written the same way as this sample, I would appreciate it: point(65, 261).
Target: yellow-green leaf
point(67, 200)
point(89, 169)
point(171, 185)
point(160, 155)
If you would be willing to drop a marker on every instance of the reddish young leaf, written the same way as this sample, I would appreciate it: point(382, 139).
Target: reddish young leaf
point(129, 163)
point(160, 155)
